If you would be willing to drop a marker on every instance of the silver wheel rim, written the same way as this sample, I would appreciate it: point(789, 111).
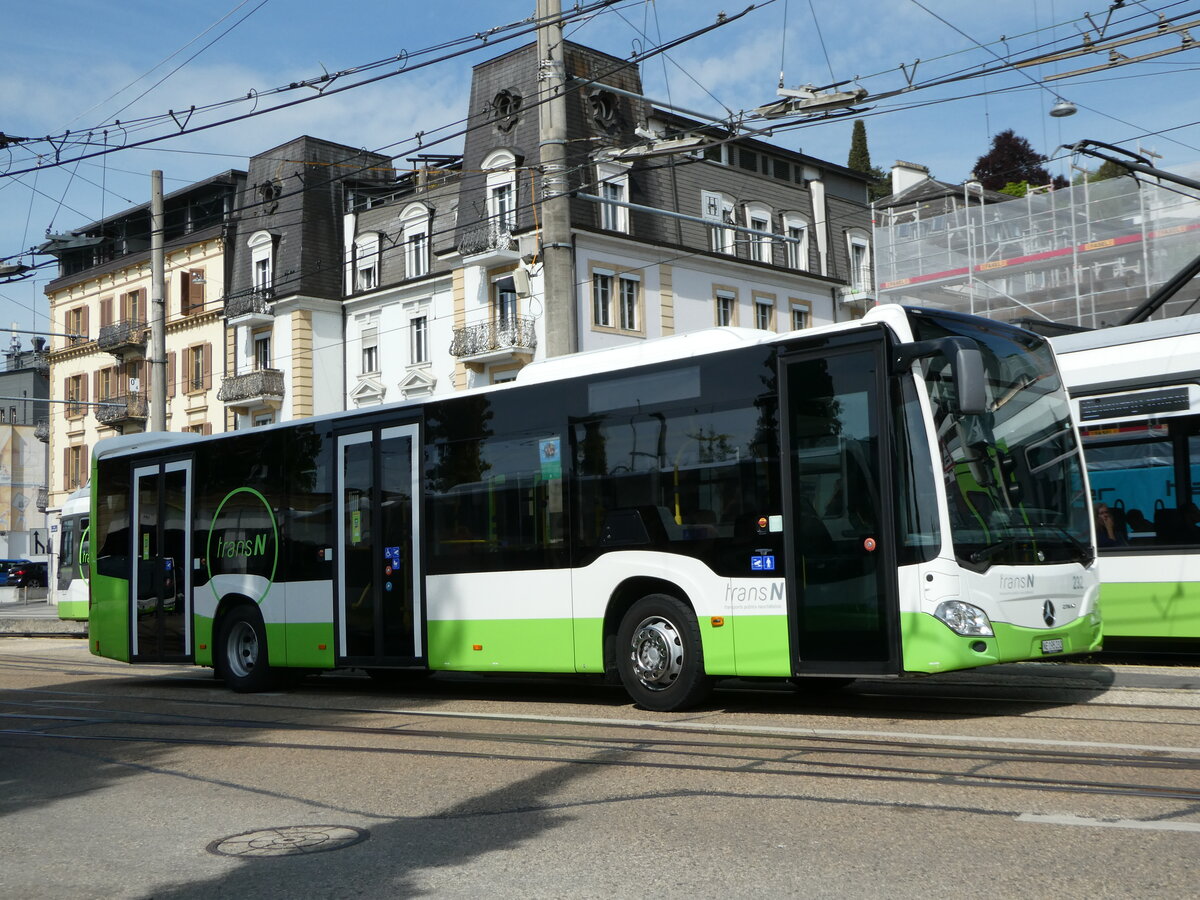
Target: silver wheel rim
point(656, 652)
point(241, 649)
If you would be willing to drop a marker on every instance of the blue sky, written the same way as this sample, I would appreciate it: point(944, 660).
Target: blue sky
point(76, 63)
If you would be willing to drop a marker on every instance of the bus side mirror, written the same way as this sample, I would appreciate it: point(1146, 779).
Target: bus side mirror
point(967, 364)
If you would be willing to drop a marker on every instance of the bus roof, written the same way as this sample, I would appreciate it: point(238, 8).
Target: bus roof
point(143, 440)
point(693, 343)
point(1126, 334)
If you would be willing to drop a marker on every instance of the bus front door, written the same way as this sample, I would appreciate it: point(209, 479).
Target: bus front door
point(841, 581)
point(160, 592)
point(379, 562)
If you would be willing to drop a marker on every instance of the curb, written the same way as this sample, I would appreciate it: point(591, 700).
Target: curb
point(14, 627)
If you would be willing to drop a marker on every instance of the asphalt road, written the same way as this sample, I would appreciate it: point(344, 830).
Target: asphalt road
point(1022, 781)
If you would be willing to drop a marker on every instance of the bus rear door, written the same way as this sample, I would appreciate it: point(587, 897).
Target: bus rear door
point(160, 594)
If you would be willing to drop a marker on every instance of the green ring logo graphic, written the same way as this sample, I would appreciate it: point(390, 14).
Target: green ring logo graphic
point(84, 555)
point(250, 549)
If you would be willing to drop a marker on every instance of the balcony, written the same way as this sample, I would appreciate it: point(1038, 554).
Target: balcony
point(253, 390)
point(41, 430)
point(487, 342)
point(131, 409)
point(123, 338)
point(253, 307)
point(488, 245)
point(43, 498)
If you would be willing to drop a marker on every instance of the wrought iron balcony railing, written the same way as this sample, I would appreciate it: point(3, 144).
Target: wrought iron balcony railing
point(43, 498)
point(261, 384)
point(516, 334)
point(254, 302)
point(120, 336)
point(489, 238)
point(41, 429)
point(132, 406)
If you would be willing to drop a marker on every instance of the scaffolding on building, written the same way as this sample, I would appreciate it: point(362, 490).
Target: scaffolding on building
point(1083, 256)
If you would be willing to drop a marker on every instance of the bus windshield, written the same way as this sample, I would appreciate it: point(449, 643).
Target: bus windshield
point(1013, 474)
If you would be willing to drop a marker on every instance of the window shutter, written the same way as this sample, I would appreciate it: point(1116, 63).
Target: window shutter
point(96, 384)
point(207, 364)
point(171, 374)
point(106, 310)
point(83, 388)
point(206, 428)
point(84, 320)
point(66, 468)
point(185, 293)
point(85, 465)
point(196, 282)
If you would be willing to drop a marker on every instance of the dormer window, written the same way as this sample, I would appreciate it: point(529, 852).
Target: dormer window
point(500, 166)
point(366, 262)
point(414, 227)
point(614, 188)
point(262, 261)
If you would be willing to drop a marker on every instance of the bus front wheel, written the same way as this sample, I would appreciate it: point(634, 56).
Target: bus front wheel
point(242, 651)
point(659, 655)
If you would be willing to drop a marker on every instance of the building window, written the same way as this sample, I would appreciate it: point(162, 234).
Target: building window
point(505, 303)
point(414, 224)
point(630, 302)
point(262, 350)
point(416, 260)
point(718, 208)
point(801, 316)
point(191, 292)
point(195, 368)
point(104, 384)
point(614, 188)
point(764, 315)
point(726, 308)
point(419, 332)
point(261, 419)
point(73, 474)
point(366, 262)
point(758, 218)
point(76, 396)
point(262, 251)
point(610, 213)
point(797, 245)
point(602, 299)
point(370, 358)
point(502, 208)
point(133, 308)
point(77, 324)
point(860, 263)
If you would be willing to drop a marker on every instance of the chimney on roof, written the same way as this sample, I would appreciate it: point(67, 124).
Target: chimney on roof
point(906, 174)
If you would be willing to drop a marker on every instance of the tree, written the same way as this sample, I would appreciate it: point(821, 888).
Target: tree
point(860, 161)
point(1012, 160)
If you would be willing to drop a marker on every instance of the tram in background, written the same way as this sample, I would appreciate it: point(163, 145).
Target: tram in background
point(70, 581)
point(1136, 392)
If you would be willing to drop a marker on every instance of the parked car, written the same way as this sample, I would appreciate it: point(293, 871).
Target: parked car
point(6, 567)
point(28, 574)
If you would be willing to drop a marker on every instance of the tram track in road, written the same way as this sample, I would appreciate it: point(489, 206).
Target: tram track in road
point(691, 746)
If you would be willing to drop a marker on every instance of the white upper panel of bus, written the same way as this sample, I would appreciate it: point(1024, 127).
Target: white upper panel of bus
point(1165, 352)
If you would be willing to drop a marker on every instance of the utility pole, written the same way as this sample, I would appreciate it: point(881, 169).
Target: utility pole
point(558, 282)
point(158, 313)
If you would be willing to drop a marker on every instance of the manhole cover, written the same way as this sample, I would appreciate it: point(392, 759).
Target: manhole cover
point(292, 840)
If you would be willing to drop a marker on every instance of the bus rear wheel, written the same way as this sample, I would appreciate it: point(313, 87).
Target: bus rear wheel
point(659, 656)
point(242, 651)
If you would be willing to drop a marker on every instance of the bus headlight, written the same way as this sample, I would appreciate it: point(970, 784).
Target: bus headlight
point(963, 618)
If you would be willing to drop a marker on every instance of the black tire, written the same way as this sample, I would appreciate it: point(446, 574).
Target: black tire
point(240, 654)
point(659, 655)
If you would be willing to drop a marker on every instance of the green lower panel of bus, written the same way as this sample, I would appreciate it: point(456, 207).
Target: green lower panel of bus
point(929, 646)
point(108, 620)
point(73, 609)
point(1151, 610)
point(502, 645)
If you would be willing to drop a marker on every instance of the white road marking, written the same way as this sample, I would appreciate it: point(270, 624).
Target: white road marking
point(1038, 819)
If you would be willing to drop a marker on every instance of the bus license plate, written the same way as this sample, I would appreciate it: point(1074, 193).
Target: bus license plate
point(1054, 646)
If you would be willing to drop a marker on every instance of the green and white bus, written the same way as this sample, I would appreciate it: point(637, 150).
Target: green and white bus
point(1136, 389)
point(898, 495)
